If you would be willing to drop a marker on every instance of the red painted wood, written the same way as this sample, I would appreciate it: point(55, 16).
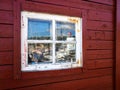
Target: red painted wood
point(100, 45)
point(51, 73)
point(51, 9)
point(100, 15)
point(117, 64)
point(38, 81)
point(110, 36)
point(6, 17)
point(100, 88)
point(63, 2)
point(6, 58)
point(6, 4)
point(100, 35)
point(17, 39)
point(97, 64)
point(84, 32)
point(6, 44)
point(97, 25)
point(105, 81)
point(76, 4)
point(96, 6)
point(100, 77)
point(108, 2)
point(100, 54)
point(6, 72)
point(6, 30)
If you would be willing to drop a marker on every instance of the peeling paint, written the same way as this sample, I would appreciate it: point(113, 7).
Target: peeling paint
point(78, 30)
point(73, 20)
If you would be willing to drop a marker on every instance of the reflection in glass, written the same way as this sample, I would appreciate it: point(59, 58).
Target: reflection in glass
point(39, 29)
point(39, 53)
point(63, 29)
point(65, 52)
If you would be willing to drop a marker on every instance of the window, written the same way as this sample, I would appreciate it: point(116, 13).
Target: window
point(50, 42)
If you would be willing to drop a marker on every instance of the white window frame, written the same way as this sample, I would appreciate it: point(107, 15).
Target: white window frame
point(25, 15)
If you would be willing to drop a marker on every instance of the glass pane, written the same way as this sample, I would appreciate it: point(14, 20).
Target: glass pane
point(64, 30)
point(39, 53)
point(39, 29)
point(65, 52)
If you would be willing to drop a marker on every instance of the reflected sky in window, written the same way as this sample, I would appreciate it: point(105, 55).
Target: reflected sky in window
point(63, 28)
point(39, 29)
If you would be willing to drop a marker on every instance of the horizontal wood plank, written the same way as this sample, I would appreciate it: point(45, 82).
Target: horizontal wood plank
point(100, 54)
point(60, 2)
point(105, 81)
point(100, 16)
point(107, 2)
point(6, 4)
point(77, 4)
point(100, 35)
point(6, 58)
point(97, 6)
point(48, 8)
point(52, 73)
point(6, 44)
point(100, 88)
point(100, 45)
point(6, 17)
point(97, 25)
point(6, 72)
point(6, 30)
point(104, 63)
point(38, 81)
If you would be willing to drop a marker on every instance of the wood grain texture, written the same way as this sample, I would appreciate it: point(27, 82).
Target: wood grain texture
point(6, 58)
point(6, 30)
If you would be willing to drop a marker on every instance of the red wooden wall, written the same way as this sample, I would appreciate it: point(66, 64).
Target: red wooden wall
point(117, 44)
point(99, 51)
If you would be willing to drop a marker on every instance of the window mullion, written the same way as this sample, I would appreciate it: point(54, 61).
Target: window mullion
point(54, 38)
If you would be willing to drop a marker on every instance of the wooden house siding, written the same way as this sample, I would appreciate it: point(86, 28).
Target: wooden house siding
point(117, 71)
point(99, 56)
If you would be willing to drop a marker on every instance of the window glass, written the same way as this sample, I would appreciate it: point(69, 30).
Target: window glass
point(65, 52)
point(39, 29)
point(39, 53)
point(64, 30)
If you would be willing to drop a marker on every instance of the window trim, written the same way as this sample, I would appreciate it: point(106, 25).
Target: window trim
point(39, 7)
point(25, 15)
